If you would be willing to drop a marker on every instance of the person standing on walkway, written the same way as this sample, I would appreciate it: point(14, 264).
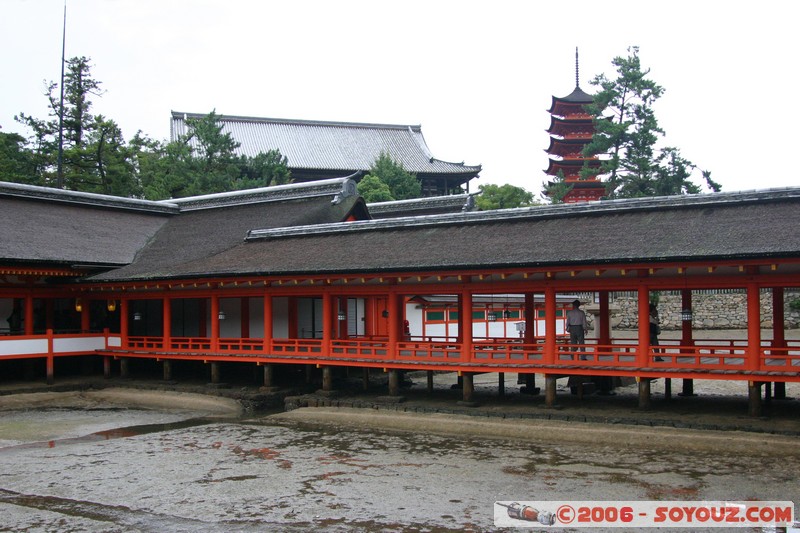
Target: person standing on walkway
point(577, 325)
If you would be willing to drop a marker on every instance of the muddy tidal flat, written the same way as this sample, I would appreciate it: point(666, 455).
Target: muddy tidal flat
point(99, 463)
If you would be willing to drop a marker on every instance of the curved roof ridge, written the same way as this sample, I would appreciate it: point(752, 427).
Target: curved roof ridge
point(546, 211)
point(37, 192)
point(305, 122)
point(337, 187)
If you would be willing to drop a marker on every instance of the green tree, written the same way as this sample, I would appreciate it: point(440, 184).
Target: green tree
point(264, 170)
point(627, 132)
point(373, 189)
point(555, 191)
point(94, 155)
point(402, 184)
point(17, 163)
point(203, 161)
point(502, 197)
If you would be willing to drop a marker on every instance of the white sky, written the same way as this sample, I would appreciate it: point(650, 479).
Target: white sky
point(478, 76)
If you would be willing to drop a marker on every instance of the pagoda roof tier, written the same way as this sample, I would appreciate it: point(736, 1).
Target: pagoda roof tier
point(570, 166)
point(566, 147)
point(571, 104)
point(566, 128)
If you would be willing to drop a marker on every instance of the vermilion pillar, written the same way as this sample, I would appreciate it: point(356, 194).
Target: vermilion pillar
point(530, 319)
point(267, 323)
point(753, 327)
point(550, 325)
point(465, 325)
point(167, 323)
point(394, 323)
point(215, 323)
point(644, 326)
point(328, 322)
point(28, 314)
point(123, 321)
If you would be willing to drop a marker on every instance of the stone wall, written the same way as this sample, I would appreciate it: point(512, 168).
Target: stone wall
point(709, 310)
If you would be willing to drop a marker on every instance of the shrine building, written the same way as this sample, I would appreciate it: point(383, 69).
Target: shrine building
point(303, 275)
point(318, 150)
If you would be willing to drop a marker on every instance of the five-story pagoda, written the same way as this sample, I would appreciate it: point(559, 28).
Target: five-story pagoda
point(571, 129)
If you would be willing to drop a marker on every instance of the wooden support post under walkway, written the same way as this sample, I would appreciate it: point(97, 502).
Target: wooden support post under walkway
point(430, 381)
point(688, 388)
point(530, 385)
point(780, 390)
point(754, 394)
point(394, 382)
point(644, 393)
point(124, 372)
point(51, 371)
point(468, 389)
point(215, 373)
point(327, 378)
point(269, 378)
point(365, 377)
point(107, 367)
point(167, 366)
point(550, 391)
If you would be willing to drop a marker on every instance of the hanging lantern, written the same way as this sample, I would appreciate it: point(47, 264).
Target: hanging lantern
point(686, 315)
point(221, 315)
point(111, 306)
point(491, 316)
point(78, 305)
point(506, 313)
point(137, 316)
point(341, 316)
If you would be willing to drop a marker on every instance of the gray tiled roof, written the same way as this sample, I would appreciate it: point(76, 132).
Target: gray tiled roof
point(197, 234)
point(650, 230)
point(47, 225)
point(432, 205)
point(331, 146)
point(44, 225)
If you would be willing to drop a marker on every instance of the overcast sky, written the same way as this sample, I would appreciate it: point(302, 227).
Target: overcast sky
point(478, 76)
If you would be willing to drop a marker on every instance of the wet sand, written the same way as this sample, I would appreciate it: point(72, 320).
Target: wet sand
point(551, 431)
point(123, 397)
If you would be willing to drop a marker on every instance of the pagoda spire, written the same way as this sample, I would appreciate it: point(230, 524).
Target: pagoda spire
point(577, 78)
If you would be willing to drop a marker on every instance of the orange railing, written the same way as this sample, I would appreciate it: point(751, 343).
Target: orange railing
point(430, 352)
point(360, 349)
point(703, 355)
point(299, 347)
point(507, 352)
point(781, 359)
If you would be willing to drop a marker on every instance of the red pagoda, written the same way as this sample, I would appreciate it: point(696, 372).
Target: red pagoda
point(570, 130)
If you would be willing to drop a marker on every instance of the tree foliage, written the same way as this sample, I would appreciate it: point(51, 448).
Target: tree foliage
point(17, 164)
point(503, 197)
point(373, 189)
point(96, 158)
point(401, 184)
point(628, 133)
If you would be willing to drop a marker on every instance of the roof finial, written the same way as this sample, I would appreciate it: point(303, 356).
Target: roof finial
point(577, 81)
